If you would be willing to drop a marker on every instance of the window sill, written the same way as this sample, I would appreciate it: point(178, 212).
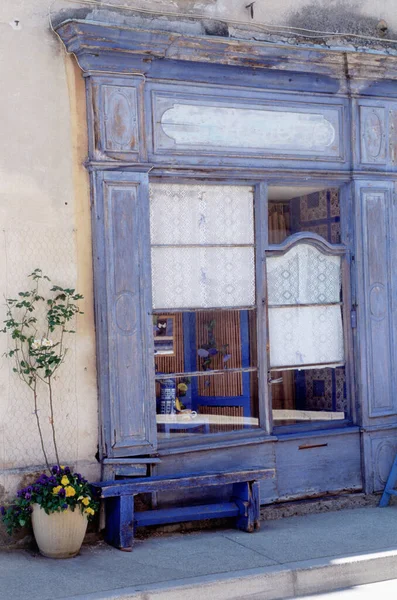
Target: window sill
point(260, 437)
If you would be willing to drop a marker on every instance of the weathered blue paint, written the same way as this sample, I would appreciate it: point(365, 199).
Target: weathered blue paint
point(123, 295)
point(119, 495)
point(127, 71)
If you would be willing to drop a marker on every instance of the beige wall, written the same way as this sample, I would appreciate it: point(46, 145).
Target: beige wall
point(44, 213)
point(44, 197)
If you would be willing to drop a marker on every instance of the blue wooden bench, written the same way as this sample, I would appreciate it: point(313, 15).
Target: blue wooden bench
point(122, 520)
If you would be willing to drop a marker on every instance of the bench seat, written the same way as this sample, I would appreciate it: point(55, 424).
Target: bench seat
point(121, 519)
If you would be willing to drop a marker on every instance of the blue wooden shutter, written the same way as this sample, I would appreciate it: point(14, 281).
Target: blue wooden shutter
point(123, 313)
point(377, 294)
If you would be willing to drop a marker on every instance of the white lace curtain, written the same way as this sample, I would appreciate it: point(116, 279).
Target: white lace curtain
point(192, 228)
point(311, 334)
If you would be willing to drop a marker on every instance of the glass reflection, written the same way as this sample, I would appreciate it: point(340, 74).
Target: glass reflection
point(308, 395)
point(205, 364)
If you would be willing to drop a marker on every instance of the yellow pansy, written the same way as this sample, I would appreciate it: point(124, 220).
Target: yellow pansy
point(86, 501)
point(56, 489)
point(89, 511)
point(65, 480)
point(70, 491)
point(62, 466)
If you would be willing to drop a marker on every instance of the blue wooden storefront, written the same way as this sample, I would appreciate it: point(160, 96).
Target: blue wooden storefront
point(133, 77)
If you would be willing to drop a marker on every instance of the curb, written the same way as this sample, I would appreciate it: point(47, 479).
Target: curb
point(268, 583)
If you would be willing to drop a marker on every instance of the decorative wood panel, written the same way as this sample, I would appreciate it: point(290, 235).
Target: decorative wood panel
point(188, 124)
point(373, 134)
point(123, 306)
point(382, 449)
point(116, 118)
point(376, 298)
point(234, 125)
point(376, 123)
point(120, 120)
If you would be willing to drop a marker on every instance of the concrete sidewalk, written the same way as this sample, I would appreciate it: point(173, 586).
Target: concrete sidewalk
point(287, 558)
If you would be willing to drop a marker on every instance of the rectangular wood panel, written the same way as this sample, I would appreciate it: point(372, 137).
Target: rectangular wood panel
point(376, 299)
point(123, 298)
point(317, 464)
point(115, 118)
point(375, 125)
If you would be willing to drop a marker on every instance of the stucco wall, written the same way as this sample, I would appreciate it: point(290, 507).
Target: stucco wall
point(44, 212)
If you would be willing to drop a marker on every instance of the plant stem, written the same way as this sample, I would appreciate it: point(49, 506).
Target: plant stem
point(52, 420)
point(39, 427)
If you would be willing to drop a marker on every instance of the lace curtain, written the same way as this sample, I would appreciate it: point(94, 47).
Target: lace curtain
point(192, 228)
point(311, 334)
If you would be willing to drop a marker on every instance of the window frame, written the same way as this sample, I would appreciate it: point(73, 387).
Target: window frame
point(349, 304)
point(266, 429)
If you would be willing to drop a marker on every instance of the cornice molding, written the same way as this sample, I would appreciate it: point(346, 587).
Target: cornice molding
point(105, 47)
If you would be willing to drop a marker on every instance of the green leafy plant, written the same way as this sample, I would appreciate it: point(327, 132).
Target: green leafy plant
point(55, 493)
point(38, 352)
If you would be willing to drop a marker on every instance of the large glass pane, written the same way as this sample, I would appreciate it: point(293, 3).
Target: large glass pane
point(201, 277)
point(294, 208)
point(201, 214)
point(205, 364)
point(307, 396)
point(200, 405)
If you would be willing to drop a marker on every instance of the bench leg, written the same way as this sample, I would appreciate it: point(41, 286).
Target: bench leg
point(246, 496)
point(256, 504)
point(119, 530)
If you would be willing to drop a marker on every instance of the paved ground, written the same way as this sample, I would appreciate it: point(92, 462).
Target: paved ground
point(387, 590)
point(287, 558)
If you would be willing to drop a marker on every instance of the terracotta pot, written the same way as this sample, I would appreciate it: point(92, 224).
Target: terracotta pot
point(60, 534)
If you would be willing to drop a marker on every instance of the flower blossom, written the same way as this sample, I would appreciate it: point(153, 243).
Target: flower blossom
point(70, 491)
point(46, 343)
point(36, 344)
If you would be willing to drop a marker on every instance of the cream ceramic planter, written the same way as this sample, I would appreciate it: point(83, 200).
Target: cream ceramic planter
point(60, 534)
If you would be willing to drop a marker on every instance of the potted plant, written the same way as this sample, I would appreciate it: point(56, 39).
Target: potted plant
point(59, 503)
point(58, 506)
